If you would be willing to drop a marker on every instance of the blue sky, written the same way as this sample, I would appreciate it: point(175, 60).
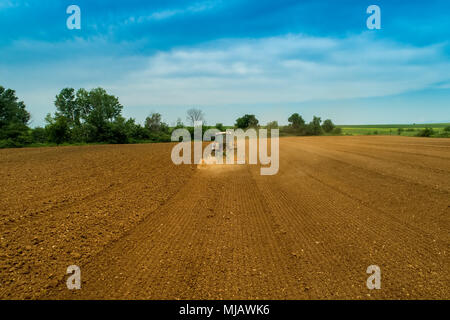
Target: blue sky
point(231, 57)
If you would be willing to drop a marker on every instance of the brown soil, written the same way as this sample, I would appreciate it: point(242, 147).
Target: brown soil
point(140, 227)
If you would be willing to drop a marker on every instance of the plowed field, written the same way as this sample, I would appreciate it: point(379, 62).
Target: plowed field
point(140, 227)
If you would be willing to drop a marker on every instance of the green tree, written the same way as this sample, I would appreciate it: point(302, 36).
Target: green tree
point(296, 122)
point(153, 122)
point(83, 103)
point(14, 118)
point(247, 121)
point(102, 107)
point(92, 116)
point(157, 130)
point(164, 128)
point(99, 110)
point(179, 124)
point(328, 126)
point(67, 106)
point(12, 110)
point(135, 131)
point(314, 128)
point(272, 125)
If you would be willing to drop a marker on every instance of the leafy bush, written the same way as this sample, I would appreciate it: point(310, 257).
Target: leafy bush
point(160, 137)
point(9, 143)
point(220, 127)
point(117, 132)
point(444, 134)
point(427, 132)
point(337, 131)
point(39, 135)
point(58, 130)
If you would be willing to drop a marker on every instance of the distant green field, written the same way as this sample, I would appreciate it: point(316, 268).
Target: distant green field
point(392, 129)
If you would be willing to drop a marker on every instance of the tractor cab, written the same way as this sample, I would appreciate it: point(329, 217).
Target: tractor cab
point(221, 145)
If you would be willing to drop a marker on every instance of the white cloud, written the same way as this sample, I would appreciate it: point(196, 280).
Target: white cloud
point(166, 14)
point(277, 70)
point(290, 68)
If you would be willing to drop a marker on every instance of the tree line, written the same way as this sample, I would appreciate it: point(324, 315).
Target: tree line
point(95, 116)
point(297, 125)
